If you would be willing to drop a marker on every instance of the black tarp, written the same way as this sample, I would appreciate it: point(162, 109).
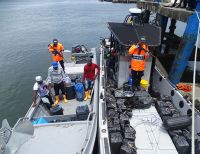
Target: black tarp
point(127, 34)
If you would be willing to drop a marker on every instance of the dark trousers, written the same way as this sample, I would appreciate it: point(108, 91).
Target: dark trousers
point(50, 101)
point(136, 77)
point(62, 65)
point(192, 4)
point(58, 87)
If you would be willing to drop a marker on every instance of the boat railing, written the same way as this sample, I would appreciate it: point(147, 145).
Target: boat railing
point(88, 130)
point(104, 144)
point(183, 105)
point(91, 124)
point(32, 110)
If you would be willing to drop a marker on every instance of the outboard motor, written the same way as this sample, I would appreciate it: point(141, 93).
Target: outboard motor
point(79, 49)
point(134, 17)
point(105, 42)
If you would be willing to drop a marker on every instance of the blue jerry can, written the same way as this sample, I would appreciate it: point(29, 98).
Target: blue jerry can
point(130, 81)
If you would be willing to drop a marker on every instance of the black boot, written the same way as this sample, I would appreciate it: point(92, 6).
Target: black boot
point(139, 88)
point(134, 88)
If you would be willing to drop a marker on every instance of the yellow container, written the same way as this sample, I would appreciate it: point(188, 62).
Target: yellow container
point(144, 84)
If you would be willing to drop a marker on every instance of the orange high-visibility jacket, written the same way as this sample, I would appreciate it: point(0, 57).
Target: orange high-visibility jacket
point(138, 60)
point(59, 48)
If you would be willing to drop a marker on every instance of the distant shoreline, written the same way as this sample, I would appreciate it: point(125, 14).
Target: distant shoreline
point(120, 1)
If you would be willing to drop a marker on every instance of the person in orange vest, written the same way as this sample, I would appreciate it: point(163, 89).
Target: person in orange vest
point(57, 49)
point(139, 54)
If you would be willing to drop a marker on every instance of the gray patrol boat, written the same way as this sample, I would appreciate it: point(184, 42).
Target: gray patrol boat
point(152, 120)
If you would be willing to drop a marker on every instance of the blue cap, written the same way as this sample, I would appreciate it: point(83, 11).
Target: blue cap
point(54, 64)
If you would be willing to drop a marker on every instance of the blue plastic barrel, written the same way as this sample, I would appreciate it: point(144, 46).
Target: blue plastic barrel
point(79, 89)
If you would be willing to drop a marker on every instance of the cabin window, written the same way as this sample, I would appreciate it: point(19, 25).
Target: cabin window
point(189, 112)
point(172, 92)
point(160, 78)
point(181, 104)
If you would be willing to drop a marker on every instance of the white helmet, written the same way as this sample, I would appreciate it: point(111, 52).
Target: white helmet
point(38, 78)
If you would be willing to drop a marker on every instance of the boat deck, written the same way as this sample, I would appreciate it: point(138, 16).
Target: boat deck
point(151, 136)
point(70, 107)
point(68, 136)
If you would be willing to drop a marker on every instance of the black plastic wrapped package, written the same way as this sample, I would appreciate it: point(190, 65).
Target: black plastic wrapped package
point(82, 112)
point(114, 128)
point(111, 105)
point(115, 142)
point(128, 147)
point(181, 144)
point(129, 136)
point(178, 122)
point(125, 118)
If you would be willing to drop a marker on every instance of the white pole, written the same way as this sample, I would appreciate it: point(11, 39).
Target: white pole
point(193, 90)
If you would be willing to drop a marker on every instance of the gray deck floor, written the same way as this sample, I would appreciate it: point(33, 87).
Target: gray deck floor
point(151, 136)
point(68, 138)
point(71, 105)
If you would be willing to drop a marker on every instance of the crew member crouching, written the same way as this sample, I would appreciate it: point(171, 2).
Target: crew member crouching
point(40, 88)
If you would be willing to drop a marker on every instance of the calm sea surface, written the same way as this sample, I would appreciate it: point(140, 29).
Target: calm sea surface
point(28, 26)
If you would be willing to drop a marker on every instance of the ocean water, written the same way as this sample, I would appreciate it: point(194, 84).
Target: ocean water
point(28, 26)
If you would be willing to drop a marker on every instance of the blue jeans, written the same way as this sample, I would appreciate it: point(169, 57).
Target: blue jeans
point(88, 84)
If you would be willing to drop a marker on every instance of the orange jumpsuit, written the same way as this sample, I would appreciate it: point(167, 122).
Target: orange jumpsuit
point(57, 53)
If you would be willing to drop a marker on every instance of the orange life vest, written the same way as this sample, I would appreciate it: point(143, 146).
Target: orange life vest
point(138, 57)
point(59, 48)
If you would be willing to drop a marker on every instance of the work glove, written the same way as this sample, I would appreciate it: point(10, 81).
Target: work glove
point(55, 52)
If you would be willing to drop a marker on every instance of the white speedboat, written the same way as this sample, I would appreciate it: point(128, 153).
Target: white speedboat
point(41, 132)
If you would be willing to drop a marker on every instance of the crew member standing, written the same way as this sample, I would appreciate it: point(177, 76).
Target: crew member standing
point(139, 53)
point(89, 76)
point(56, 78)
point(57, 50)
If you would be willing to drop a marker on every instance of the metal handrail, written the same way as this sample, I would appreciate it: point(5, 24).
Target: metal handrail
point(86, 137)
point(193, 88)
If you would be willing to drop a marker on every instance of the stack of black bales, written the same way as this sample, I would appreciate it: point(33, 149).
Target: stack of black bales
point(122, 135)
point(140, 100)
point(176, 124)
point(182, 140)
point(166, 108)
